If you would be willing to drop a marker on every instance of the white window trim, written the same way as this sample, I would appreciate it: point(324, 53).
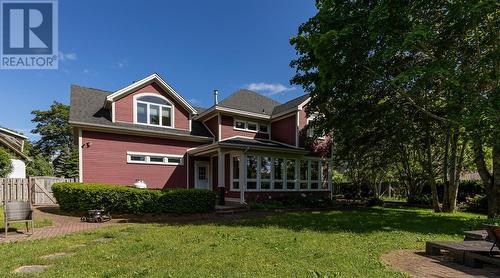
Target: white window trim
point(172, 107)
point(148, 155)
point(285, 180)
point(232, 172)
point(246, 126)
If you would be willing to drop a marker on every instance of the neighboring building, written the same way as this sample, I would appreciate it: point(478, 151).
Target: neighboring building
point(14, 142)
point(246, 147)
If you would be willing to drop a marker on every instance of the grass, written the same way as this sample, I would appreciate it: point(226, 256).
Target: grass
point(38, 223)
point(394, 199)
point(345, 243)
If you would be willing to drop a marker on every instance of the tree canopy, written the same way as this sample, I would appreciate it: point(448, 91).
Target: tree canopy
point(408, 84)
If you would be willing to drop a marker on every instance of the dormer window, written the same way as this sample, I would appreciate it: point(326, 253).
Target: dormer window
point(154, 110)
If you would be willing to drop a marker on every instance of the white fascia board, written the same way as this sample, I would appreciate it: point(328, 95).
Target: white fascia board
point(233, 111)
point(153, 77)
point(10, 132)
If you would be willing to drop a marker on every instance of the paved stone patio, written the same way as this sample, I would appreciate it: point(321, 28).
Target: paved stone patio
point(61, 225)
point(417, 264)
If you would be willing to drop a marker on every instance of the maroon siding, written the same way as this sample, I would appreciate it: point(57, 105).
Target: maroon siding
point(227, 129)
point(283, 130)
point(213, 125)
point(302, 130)
point(105, 160)
point(124, 107)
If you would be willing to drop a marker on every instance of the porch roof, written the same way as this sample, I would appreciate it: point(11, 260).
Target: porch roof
point(244, 143)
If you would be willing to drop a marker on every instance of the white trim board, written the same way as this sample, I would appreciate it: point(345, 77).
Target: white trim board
point(147, 80)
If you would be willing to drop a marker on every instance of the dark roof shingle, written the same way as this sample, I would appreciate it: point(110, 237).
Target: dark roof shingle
point(290, 104)
point(87, 106)
point(249, 101)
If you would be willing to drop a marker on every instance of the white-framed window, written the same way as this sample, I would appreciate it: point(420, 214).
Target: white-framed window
point(252, 166)
point(314, 166)
point(235, 173)
point(265, 169)
point(240, 125)
point(303, 174)
point(250, 126)
point(154, 158)
point(265, 173)
point(152, 109)
point(279, 172)
point(291, 174)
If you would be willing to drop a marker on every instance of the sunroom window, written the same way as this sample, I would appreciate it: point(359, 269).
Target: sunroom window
point(265, 172)
point(303, 174)
point(236, 173)
point(290, 174)
point(152, 110)
point(279, 170)
point(251, 172)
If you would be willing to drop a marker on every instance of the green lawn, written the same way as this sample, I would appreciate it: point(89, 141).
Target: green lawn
point(302, 244)
point(38, 223)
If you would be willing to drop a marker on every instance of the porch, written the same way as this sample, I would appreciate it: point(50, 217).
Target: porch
point(243, 169)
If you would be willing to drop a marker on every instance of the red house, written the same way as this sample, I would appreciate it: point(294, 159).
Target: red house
point(246, 146)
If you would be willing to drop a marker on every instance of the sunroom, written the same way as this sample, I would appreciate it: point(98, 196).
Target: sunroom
point(241, 169)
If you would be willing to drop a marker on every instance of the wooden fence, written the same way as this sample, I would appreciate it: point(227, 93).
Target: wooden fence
point(37, 190)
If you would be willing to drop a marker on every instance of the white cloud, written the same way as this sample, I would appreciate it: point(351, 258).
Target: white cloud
point(269, 89)
point(194, 101)
point(121, 64)
point(67, 56)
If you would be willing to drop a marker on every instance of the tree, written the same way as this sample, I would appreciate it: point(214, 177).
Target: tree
point(426, 82)
point(53, 127)
point(5, 163)
point(66, 164)
point(56, 141)
point(40, 165)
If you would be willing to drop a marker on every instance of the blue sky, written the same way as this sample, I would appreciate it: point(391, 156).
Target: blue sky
point(196, 46)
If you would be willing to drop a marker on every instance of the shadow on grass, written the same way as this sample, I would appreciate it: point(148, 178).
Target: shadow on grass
point(356, 220)
point(367, 220)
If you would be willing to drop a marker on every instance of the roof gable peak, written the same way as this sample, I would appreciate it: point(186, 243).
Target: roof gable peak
point(153, 78)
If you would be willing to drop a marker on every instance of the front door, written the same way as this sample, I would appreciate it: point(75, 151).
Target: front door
point(202, 175)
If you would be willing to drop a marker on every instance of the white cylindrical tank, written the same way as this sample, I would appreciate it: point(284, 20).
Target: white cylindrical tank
point(140, 184)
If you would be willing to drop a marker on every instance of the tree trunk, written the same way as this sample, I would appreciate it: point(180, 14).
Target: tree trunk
point(446, 168)
point(452, 182)
point(430, 171)
point(495, 183)
point(485, 175)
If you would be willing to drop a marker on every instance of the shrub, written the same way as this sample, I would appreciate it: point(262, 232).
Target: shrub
point(124, 199)
point(478, 204)
point(372, 202)
point(5, 163)
point(420, 200)
point(187, 201)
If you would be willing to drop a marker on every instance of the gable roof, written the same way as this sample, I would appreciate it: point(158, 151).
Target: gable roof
point(87, 110)
point(296, 102)
point(250, 101)
point(153, 78)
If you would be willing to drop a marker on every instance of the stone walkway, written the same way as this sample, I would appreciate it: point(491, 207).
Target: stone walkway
point(417, 264)
point(61, 225)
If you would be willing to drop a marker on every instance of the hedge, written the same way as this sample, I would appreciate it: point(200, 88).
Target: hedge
point(78, 197)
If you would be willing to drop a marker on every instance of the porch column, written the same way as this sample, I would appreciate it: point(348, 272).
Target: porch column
point(220, 176)
point(243, 177)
